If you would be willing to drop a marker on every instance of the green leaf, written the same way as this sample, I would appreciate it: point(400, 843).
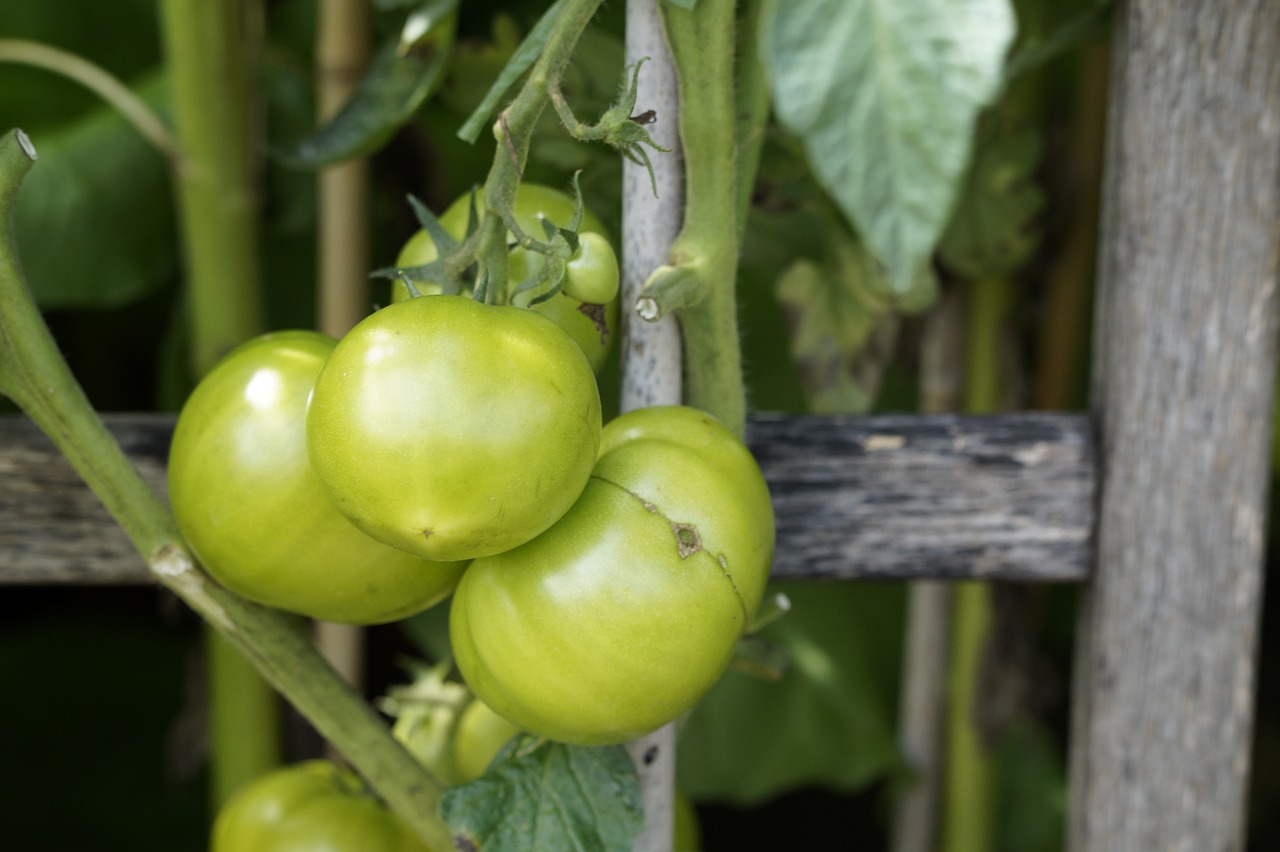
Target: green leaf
point(521, 61)
point(885, 94)
point(95, 218)
point(829, 720)
point(401, 77)
point(542, 796)
point(684, 4)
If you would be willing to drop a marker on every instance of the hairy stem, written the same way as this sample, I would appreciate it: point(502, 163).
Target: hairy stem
point(702, 46)
point(514, 131)
point(35, 376)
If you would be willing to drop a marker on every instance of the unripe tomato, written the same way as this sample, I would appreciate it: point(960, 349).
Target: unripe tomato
point(618, 618)
point(255, 515)
point(452, 429)
point(592, 275)
point(533, 203)
point(310, 807)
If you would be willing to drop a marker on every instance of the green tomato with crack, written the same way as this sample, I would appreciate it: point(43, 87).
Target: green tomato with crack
point(618, 618)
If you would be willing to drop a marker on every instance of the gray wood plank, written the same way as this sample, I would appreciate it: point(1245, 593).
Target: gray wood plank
point(892, 497)
point(1184, 364)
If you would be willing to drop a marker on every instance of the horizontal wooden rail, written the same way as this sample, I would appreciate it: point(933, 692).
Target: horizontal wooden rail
point(1001, 497)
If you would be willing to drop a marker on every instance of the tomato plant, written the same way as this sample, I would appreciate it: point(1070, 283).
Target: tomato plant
point(247, 501)
point(617, 619)
point(453, 429)
point(591, 277)
point(307, 807)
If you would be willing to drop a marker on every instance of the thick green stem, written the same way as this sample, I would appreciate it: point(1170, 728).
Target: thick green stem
point(702, 47)
point(209, 72)
point(970, 778)
point(34, 375)
point(514, 131)
point(970, 771)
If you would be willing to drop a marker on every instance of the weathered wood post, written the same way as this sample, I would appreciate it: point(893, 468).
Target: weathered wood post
point(1184, 371)
point(651, 352)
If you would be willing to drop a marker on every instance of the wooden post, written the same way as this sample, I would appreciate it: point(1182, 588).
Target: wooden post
point(1184, 371)
point(651, 373)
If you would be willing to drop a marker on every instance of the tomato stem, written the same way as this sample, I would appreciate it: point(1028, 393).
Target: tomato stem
point(513, 131)
point(34, 374)
point(702, 48)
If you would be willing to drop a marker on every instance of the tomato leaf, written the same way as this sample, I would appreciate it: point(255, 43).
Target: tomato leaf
point(995, 226)
point(521, 61)
point(95, 174)
point(403, 74)
point(885, 94)
point(684, 4)
point(543, 796)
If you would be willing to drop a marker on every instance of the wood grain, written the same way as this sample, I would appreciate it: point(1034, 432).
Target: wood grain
point(1184, 370)
point(890, 497)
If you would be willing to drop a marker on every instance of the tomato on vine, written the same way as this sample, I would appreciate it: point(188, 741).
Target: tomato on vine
point(315, 805)
point(591, 270)
point(255, 515)
point(618, 618)
point(453, 429)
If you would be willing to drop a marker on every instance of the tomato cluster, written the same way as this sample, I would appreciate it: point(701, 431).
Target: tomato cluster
point(601, 575)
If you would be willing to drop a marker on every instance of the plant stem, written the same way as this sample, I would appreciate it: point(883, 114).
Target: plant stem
point(969, 817)
point(34, 375)
point(208, 66)
point(970, 774)
point(702, 46)
point(100, 82)
point(514, 131)
point(209, 74)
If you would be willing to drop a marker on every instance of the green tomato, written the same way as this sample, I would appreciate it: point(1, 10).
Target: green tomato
point(534, 202)
point(255, 515)
point(592, 274)
point(619, 618)
point(452, 429)
point(480, 735)
point(314, 806)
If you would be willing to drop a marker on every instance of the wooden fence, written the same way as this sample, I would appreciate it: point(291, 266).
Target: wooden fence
point(1156, 502)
